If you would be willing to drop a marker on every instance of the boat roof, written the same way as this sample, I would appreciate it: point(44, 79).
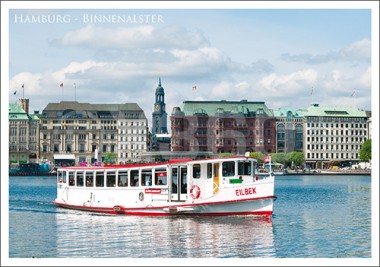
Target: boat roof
point(155, 164)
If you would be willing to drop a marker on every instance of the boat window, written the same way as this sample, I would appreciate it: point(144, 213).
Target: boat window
point(61, 176)
point(228, 168)
point(146, 177)
point(111, 179)
point(183, 181)
point(122, 178)
point(209, 170)
point(89, 179)
point(80, 178)
point(160, 177)
point(174, 180)
point(71, 179)
point(196, 171)
point(244, 168)
point(100, 179)
point(135, 178)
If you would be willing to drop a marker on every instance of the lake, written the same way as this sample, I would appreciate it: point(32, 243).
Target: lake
point(315, 216)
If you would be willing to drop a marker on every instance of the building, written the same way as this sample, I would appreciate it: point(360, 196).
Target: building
point(223, 126)
point(334, 135)
point(23, 134)
point(289, 129)
point(159, 115)
point(88, 131)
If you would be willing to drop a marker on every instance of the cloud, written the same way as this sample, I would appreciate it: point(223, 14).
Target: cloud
point(141, 37)
point(277, 85)
point(359, 51)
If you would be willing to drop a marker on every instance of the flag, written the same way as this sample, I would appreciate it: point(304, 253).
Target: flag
point(194, 88)
point(22, 86)
point(312, 91)
point(61, 85)
point(14, 93)
point(353, 93)
point(267, 159)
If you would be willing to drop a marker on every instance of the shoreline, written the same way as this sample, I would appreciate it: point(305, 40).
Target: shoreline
point(330, 173)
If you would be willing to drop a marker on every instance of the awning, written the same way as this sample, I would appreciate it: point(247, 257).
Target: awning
point(64, 156)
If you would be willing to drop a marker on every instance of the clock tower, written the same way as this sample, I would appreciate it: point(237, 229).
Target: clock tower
point(159, 115)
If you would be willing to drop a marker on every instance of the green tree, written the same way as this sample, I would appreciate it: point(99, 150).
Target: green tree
point(257, 155)
point(225, 154)
point(278, 157)
point(110, 158)
point(294, 157)
point(365, 151)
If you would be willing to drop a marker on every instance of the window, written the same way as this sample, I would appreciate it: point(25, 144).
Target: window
point(196, 171)
point(111, 179)
point(89, 179)
point(228, 168)
point(244, 168)
point(146, 177)
point(122, 178)
point(209, 170)
point(134, 178)
point(100, 179)
point(160, 177)
point(80, 178)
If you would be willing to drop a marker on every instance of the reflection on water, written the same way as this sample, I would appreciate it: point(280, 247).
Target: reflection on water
point(314, 217)
point(87, 235)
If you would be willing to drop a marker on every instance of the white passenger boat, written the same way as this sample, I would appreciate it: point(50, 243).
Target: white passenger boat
point(210, 187)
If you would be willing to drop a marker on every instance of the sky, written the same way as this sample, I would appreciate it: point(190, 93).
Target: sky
point(285, 56)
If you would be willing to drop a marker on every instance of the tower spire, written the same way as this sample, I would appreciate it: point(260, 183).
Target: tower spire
point(159, 81)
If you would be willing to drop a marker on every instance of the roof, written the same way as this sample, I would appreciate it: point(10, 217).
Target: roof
point(211, 108)
point(284, 111)
point(325, 111)
point(87, 110)
point(16, 112)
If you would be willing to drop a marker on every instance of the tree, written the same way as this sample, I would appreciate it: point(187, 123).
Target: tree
point(110, 158)
point(257, 155)
point(365, 151)
point(278, 157)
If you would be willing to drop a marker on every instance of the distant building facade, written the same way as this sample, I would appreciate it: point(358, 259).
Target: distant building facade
point(334, 135)
point(223, 126)
point(289, 129)
point(89, 131)
point(23, 134)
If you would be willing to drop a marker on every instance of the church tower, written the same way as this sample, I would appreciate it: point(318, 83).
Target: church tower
point(159, 115)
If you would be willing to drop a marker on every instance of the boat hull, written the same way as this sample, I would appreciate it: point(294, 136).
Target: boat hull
point(254, 206)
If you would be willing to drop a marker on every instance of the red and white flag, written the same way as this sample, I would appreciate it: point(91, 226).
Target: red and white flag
point(267, 159)
point(194, 88)
point(61, 85)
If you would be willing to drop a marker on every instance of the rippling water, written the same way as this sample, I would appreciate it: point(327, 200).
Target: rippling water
point(314, 217)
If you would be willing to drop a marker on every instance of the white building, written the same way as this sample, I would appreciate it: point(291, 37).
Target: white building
point(89, 131)
point(334, 135)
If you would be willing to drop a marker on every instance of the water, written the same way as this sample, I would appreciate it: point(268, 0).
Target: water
point(314, 217)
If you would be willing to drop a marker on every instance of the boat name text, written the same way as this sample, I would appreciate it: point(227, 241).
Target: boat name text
point(245, 191)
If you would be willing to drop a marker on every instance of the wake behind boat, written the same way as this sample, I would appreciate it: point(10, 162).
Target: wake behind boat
point(210, 187)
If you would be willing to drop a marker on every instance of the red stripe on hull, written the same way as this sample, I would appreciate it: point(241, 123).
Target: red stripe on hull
point(137, 211)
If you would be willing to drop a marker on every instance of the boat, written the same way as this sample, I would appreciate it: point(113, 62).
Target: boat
point(205, 187)
point(31, 169)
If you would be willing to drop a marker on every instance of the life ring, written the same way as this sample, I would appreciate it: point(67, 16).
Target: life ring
point(141, 196)
point(195, 192)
